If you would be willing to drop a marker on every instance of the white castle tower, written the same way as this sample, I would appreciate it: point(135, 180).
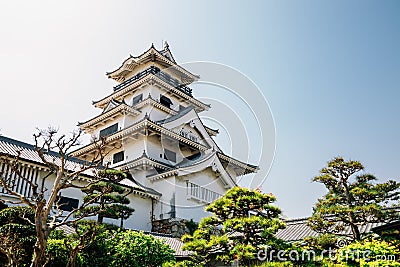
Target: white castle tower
point(151, 123)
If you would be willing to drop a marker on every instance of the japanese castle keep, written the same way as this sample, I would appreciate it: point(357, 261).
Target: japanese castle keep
point(153, 131)
point(151, 121)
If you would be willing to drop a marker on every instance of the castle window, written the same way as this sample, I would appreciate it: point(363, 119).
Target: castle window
point(165, 101)
point(109, 130)
point(118, 157)
point(169, 155)
point(67, 203)
point(137, 99)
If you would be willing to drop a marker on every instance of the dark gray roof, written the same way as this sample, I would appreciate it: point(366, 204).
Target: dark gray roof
point(66, 229)
point(388, 226)
point(297, 229)
point(11, 147)
point(181, 113)
point(175, 243)
point(191, 160)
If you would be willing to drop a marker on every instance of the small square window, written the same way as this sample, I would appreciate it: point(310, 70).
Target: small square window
point(67, 203)
point(118, 157)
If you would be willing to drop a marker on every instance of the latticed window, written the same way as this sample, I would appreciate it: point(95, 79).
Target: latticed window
point(118, 157)
point(109, 130)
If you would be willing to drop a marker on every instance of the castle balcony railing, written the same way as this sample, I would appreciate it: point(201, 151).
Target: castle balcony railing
point(160, 74)
point(201, 193)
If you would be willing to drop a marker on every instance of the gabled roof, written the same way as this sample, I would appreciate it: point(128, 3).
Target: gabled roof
point(175, 243)
point(139, 188)
point(189, 115)
point(203, 162)
point(144, 159)
point(113, 109)
point(164, 57)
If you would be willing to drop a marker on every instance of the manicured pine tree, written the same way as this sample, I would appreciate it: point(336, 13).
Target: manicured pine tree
point(353, 199)
point(244, 222)
point(107, 198)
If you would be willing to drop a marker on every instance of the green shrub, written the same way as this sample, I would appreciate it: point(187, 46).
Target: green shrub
point(185, 263)
point(58, 252)
point(369, 253)
point(135, 249)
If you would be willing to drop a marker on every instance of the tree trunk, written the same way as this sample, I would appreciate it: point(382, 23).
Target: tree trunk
point(354, 229)
point(72, 257)
point(42, 233)
point(100, 219)
point(353, 223)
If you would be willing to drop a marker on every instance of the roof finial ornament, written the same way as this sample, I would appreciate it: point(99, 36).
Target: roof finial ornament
point(166, 45)
point(144, 153)
point(146, 116)
point(152, 45)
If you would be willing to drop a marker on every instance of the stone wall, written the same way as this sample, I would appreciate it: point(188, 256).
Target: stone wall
point(174, 226)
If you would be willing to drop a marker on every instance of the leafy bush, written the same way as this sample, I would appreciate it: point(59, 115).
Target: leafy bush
point(369, 253)
point(185, 263)
point(58, 252)
point(135, 249)
point(17, 235)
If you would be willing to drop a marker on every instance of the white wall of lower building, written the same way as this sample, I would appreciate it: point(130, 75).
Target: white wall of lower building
point(192, 208)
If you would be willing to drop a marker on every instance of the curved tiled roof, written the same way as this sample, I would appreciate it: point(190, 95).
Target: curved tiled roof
point(297, 229)
point(27, 152)
point(175, 243)
point(12, 147)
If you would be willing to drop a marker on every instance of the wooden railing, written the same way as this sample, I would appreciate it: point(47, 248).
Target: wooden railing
point(160, 74)
point(201, 193)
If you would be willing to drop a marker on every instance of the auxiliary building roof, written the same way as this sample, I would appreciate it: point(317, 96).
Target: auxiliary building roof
point(12, 147)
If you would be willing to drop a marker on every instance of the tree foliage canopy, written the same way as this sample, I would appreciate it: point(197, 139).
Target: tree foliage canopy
point(107, 199)
point(353, 199)
point(243, 221)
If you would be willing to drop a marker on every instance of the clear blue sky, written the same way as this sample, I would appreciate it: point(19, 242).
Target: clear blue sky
point(330, 71)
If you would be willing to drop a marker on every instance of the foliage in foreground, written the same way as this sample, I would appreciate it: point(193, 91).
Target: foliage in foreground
point(369, 253)
point(109, 247)
point(17, 235)
point(352, 199)
point(243, 222)
point(107, 198)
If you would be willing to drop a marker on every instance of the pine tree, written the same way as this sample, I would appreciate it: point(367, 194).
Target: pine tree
point(353, 199)
point(244, 221)
point(107, 198)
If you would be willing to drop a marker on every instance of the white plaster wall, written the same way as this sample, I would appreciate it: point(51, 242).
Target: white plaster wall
point(121, 123)
point(140, 218)
point(167, 188)
point(188, 208)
